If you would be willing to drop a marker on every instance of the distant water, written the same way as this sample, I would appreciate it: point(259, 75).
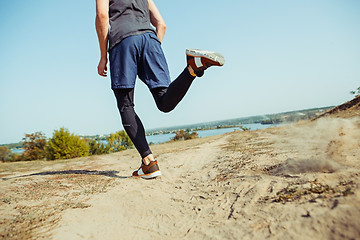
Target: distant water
point(17, 150)
point(161, 138)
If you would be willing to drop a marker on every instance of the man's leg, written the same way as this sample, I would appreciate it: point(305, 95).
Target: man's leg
point(131, 122)
point(167, 98)
point(135, 129)
point(153, 71)
point(198, 61)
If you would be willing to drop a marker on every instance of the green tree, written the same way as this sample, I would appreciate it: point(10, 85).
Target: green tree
point(97, 147)
point(5, 154)
point(64, 145)
point(34, 145)
point(119, 141)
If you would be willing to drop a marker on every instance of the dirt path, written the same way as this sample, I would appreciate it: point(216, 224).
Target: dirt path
point(135, 208)
point(298, 182)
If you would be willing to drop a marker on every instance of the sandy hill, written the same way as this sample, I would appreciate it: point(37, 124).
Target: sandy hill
point(296, 182)
point(346, 110)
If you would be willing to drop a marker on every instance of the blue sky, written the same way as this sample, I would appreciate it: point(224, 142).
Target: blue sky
point(280, 55)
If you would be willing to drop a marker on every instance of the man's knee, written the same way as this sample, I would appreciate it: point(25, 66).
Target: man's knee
point(165, 109)
point(125, 107)
point(127, 114)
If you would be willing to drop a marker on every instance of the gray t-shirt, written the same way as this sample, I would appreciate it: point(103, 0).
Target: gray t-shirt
point(128, 18)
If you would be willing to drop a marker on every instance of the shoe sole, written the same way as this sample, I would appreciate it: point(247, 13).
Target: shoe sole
point(150, 175)
point(213, 56)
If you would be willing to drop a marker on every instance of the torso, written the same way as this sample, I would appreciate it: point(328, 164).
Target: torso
point(128, 18)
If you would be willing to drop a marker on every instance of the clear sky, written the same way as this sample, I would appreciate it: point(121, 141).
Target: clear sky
point(280, 55)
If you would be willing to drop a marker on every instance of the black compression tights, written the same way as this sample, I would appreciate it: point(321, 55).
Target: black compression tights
point(166, 100)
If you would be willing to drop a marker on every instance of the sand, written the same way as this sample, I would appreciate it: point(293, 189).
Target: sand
point(296, 182)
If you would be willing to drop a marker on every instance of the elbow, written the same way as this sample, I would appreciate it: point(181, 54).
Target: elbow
point(162, 27)
point(102, 17)
point(159, 25)
point(101, 21)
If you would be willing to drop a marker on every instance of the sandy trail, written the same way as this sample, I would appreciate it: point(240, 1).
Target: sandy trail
point(296, 182)
point(138, 208)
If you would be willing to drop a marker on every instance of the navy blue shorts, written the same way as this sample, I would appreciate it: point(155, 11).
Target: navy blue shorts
point(138, 55)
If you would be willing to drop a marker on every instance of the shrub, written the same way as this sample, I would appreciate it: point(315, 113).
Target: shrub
point(16, 157)
point(244, 128)
point(34, 145)
point(356, 92)
point(64, 145)
point(97, 147)
point(5, 154)
point(119, 141)
point(185, 135)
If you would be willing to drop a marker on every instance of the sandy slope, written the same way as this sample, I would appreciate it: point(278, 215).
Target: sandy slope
point(296, 182)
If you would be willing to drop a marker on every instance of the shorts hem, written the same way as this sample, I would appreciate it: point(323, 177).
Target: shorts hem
point(157, 86)
point(122, 87)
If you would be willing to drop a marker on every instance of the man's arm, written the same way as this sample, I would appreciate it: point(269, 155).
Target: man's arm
point(102, 30)
point(156, 20)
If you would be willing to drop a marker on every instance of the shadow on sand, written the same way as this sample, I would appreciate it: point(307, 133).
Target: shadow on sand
point(82, 172)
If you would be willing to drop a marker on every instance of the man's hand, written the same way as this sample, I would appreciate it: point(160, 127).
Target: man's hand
point(102, 68)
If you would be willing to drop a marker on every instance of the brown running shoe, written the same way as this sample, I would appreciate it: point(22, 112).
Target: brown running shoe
point(148, 171)
point(200, 60)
